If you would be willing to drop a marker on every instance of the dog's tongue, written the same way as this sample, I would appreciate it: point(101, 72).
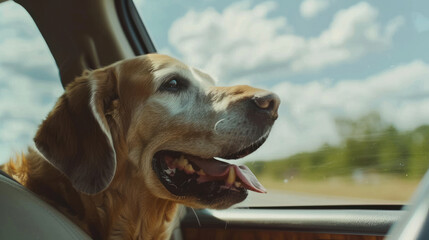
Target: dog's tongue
point(217, 169)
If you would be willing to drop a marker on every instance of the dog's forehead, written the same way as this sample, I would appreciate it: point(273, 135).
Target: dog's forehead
point(163, 65)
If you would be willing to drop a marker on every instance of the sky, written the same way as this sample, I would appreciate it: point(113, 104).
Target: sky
point(326, 59)
point(29, 80)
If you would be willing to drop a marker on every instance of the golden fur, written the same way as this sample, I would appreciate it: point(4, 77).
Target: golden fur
point(94, 149)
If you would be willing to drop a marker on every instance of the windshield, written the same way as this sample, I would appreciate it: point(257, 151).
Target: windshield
point(352, 78)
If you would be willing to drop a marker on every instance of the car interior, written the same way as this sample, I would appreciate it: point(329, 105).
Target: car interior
point(84, 35)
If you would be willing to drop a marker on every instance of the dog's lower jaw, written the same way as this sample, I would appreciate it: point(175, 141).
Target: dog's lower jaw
point(106, 215)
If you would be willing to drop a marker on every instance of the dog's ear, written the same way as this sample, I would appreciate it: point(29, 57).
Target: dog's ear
point(75, 137)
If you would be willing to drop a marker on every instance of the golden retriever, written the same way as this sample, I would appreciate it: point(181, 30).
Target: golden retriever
point(125, 145)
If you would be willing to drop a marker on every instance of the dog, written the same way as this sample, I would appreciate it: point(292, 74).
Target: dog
point(127, 144)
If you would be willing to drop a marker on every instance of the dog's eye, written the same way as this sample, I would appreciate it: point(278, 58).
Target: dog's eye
point(172, 85)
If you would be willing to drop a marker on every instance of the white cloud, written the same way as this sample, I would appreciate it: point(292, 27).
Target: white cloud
point(420, 22)
point(24, 103)
point(242, 41)
point(29, 82)
point(242, 44)
point(308, 111)
point(354, 32)
point(311, 8)
point(22, 48)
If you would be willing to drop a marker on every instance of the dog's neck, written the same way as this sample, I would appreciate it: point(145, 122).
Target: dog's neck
point(123, 211)
point(141, 213)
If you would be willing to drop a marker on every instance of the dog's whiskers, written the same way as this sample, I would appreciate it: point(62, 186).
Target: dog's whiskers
point(196, 216)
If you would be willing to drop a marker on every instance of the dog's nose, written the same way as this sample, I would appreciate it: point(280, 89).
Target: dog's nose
point(267, 101)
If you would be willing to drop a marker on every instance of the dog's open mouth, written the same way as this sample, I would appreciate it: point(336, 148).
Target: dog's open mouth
point(187, 175)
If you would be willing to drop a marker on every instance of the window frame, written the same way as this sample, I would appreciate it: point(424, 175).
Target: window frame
point(134, 28)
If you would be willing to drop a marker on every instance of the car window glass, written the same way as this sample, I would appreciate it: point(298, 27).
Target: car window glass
point(29, 81)
point(353, 81)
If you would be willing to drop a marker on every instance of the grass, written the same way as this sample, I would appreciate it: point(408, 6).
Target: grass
point(377, 187)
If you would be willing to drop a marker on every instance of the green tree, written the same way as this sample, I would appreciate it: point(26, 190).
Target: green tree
point(367, 144)
point(418, 161)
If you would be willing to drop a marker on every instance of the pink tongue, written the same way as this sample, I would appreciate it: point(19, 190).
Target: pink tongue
point(217, 169)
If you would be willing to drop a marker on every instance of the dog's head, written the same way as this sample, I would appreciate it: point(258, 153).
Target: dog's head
point(165, 121)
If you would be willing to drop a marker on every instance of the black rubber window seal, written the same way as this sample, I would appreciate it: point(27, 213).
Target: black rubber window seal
point(134, 29)
point(393, 207)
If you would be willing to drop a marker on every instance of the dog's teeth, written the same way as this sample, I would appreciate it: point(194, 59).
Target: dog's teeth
point(237, 184)
point(182, 162)
point(189, 169)
point(170, 171)
point(231, 176)
point(201, 172)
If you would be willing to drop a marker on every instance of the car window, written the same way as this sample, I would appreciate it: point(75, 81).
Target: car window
point(29, 81)
point(353, 81)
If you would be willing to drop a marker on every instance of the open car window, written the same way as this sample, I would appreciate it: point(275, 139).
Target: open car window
point(352, 78)
point(29, 82)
